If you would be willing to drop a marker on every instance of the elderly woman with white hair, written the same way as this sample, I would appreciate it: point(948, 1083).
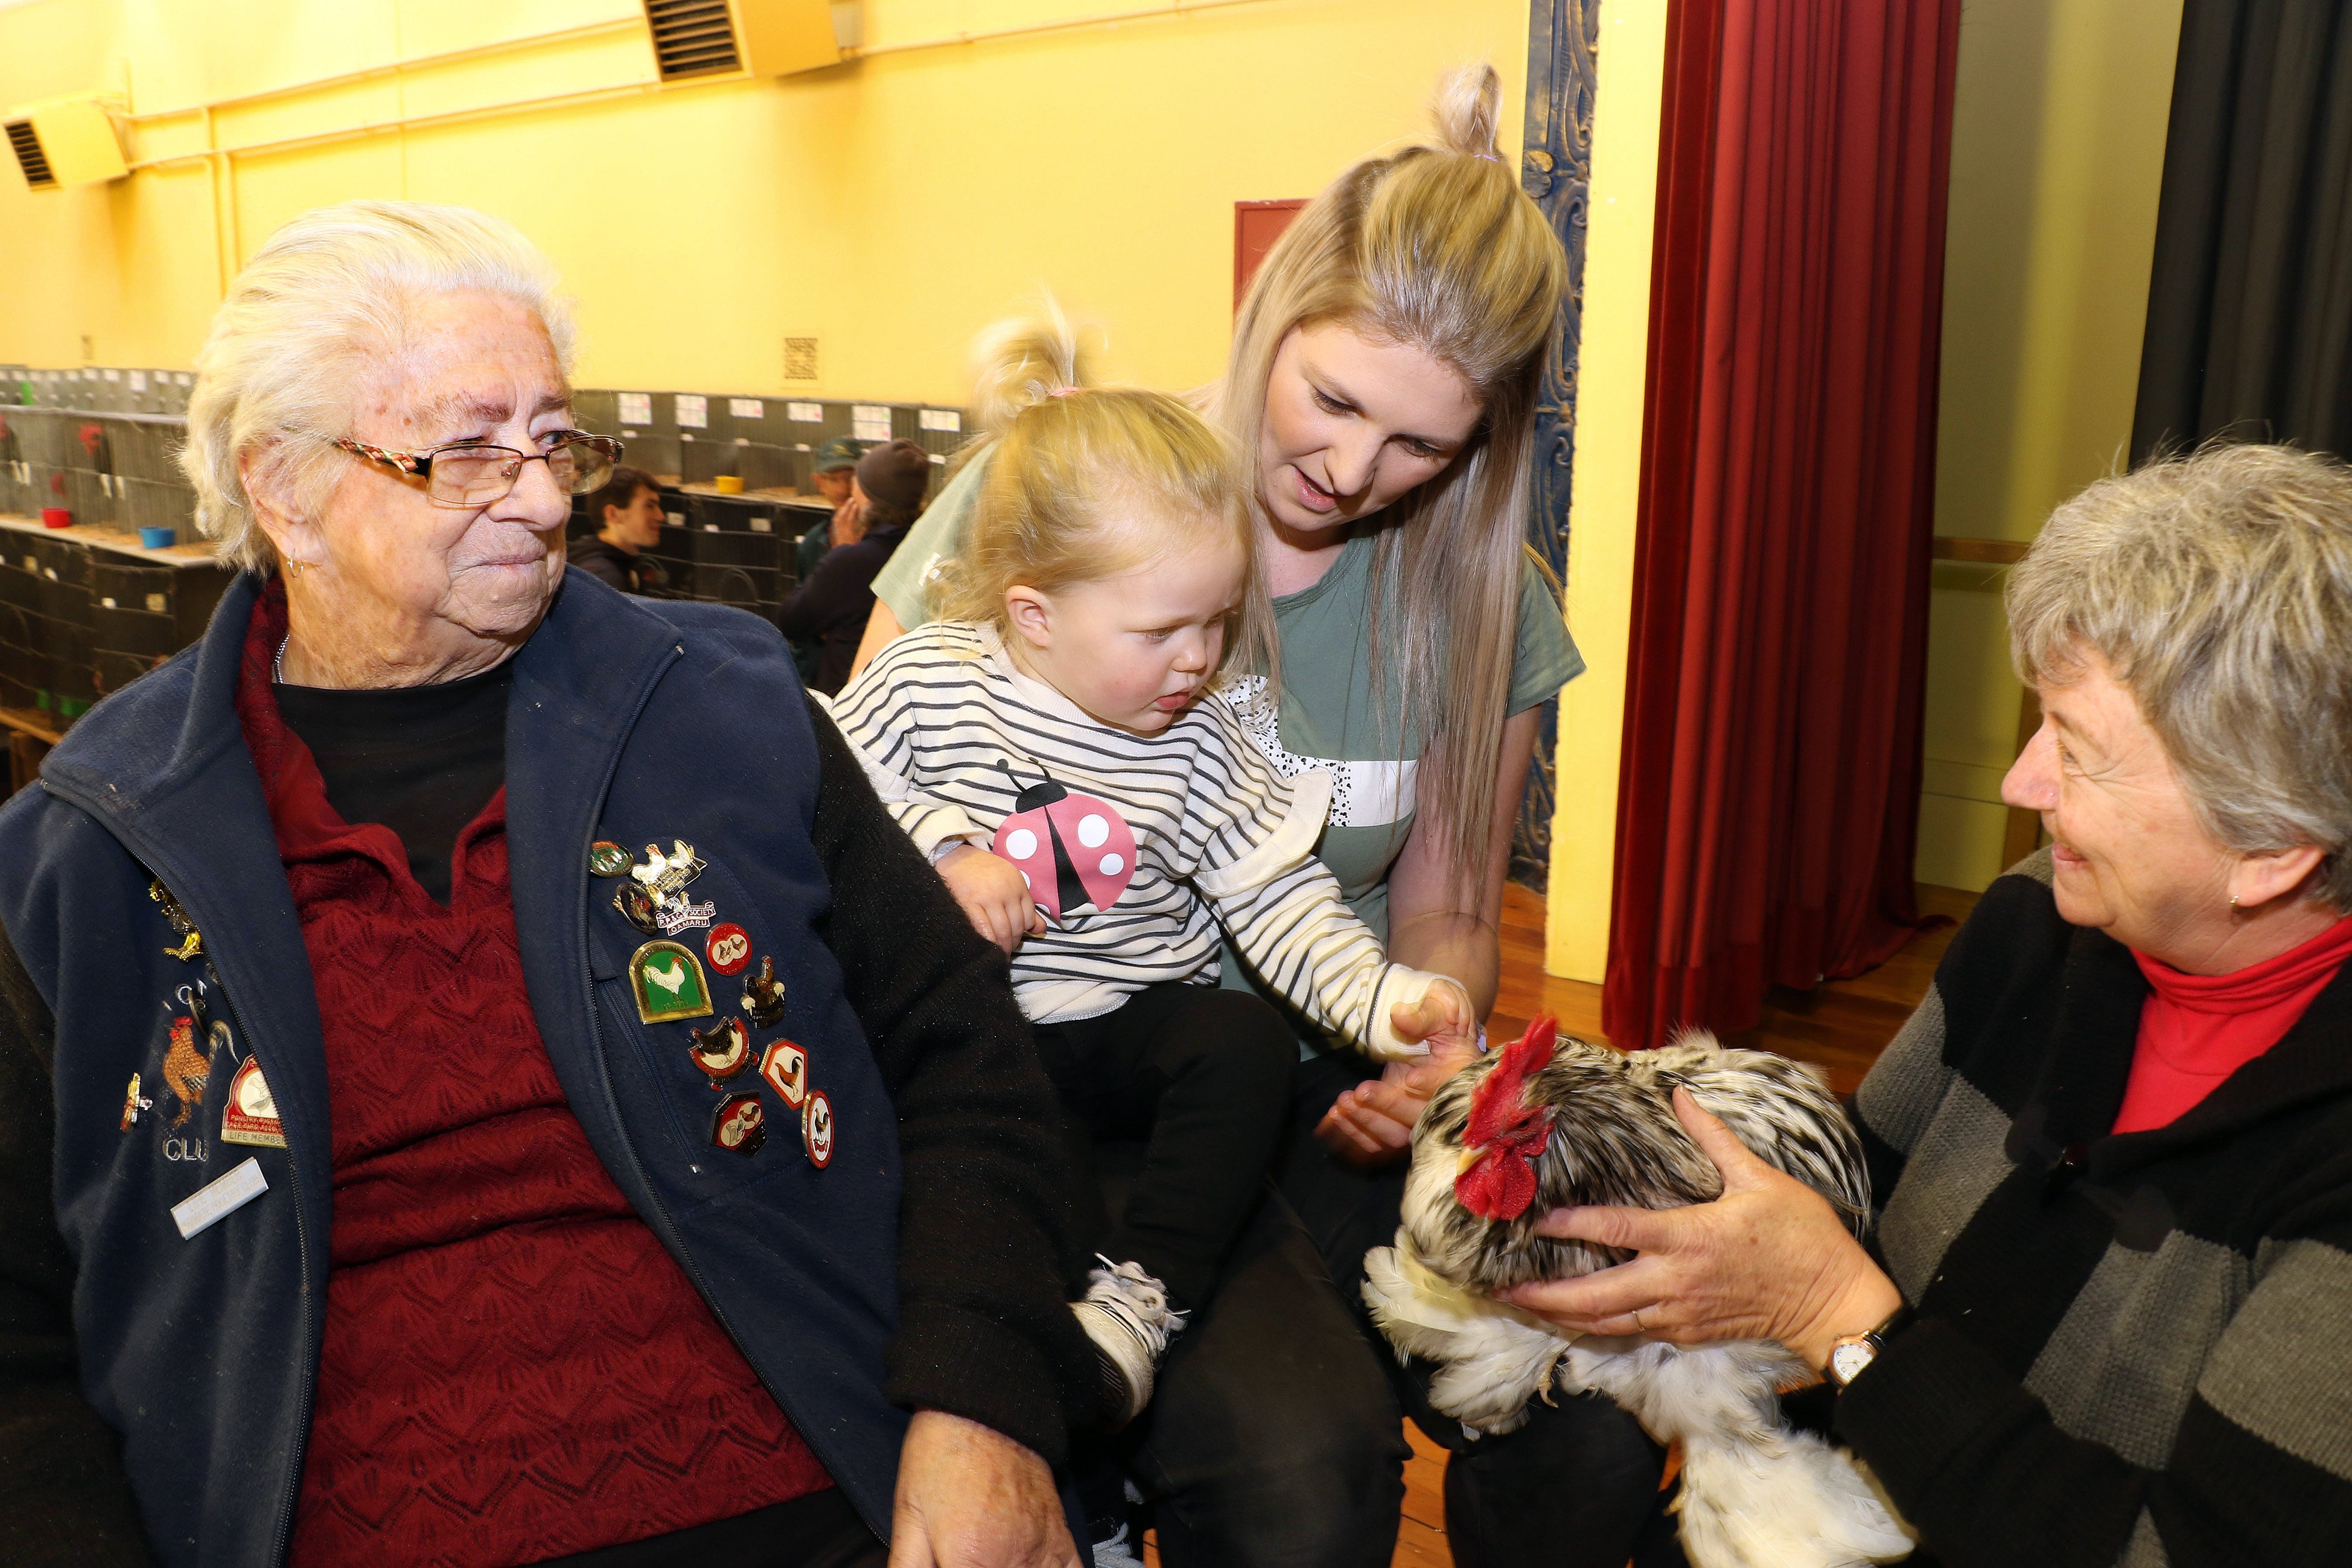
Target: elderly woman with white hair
point(2103, 1316)
point(482, 1080)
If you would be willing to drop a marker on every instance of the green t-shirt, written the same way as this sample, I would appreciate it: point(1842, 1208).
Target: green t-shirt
point(1325, 718)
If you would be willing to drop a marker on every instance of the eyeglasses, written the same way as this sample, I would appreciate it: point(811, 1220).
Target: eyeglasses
point(469, 474)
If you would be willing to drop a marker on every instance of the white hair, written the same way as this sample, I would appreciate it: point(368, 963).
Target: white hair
point(2218, 587)
point(326, 297)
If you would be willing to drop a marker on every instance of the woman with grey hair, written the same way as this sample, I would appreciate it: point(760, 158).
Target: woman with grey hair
point(2103, 1317)
point(482, 1079)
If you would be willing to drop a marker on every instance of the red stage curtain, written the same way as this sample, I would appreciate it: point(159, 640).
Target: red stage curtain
point(1770, 775)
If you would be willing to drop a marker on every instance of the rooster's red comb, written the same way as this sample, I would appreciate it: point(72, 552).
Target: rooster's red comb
point(1505, 1133)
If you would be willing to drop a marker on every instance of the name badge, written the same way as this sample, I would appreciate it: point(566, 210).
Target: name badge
point(219, 1198)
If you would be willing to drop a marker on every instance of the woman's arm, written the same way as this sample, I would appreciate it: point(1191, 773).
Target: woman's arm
point(1446, 923)
point(881, 626)
point(1452, 923)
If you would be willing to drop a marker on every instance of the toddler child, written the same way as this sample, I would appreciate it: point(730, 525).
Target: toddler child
point(1054, 747)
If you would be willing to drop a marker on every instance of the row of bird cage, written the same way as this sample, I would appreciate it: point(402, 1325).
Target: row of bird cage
point(108, 389)
point(116, 471)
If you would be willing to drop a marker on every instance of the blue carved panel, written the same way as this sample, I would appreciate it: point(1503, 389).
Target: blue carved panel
point(1555, 168)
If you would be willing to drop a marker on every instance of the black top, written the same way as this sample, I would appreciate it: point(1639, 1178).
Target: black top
point(611, 563)
point(420, 760)
point(2127, 1345)
point(831, 609)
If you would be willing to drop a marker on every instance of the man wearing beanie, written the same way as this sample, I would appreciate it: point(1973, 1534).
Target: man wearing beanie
point(829, 610)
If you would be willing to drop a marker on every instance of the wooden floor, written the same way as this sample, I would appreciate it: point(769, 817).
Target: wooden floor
point(1840, 1026)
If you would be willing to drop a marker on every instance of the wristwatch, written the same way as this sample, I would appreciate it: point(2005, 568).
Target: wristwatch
point(1850, 1355)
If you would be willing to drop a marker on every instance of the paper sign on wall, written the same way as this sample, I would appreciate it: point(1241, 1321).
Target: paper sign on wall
point(693, 410)
point(804, 413)
point(746, 408)
point(942, 419)
point(636, 407)
point(868, 423)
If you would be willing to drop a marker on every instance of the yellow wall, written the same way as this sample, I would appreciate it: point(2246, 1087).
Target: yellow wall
point(2058, 134)
point(1601, 507)
point(889, 208)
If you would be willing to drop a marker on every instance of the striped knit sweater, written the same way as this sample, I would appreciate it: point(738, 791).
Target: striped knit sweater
point(2131, 1350)
point(951, 732)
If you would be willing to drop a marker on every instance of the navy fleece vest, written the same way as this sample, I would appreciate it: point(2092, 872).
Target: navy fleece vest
point(631, 719)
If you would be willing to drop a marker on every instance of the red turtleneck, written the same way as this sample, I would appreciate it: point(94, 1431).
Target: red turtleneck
point(2195, 1030)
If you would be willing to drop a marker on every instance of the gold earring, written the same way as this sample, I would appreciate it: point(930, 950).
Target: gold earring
point(2234, 900)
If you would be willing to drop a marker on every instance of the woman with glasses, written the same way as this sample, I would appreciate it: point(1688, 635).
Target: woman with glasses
point(482, 1080)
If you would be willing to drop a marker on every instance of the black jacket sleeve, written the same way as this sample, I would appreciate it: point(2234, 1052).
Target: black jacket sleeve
point(64, 1496)
point(985, 1329)
point(604, 568)
point(840, 589)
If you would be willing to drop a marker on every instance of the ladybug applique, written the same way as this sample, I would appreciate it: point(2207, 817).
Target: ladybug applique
point(1072, 849)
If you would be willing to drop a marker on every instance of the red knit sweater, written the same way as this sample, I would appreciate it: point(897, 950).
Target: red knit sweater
point(514, 1367)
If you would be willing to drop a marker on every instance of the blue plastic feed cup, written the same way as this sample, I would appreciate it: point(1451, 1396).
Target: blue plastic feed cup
point(158, 538)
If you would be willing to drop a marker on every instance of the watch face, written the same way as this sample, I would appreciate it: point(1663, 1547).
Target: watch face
point(1848, 1358)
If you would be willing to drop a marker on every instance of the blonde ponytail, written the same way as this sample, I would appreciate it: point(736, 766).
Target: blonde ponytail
point(1022, 361)
point(1468, 107)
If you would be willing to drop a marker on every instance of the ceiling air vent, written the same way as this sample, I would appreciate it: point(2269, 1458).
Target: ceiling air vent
point(759, 37)
point(692, 37)
point(66, 141)
point(30, 157)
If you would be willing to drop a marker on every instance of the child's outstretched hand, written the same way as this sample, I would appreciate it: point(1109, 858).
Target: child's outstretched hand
point(1443, 1017)
point(994, 897)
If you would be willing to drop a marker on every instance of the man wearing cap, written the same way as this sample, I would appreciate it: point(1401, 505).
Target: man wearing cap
point(827, 612)
point(836, 476)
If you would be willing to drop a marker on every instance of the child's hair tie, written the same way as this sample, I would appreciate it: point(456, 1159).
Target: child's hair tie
point(1064, 391)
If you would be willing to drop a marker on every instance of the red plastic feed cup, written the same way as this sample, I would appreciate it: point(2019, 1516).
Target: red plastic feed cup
point(56, 517)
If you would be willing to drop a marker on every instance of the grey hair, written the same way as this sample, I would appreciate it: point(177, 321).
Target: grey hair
point(326, 296)
point(2218, 588)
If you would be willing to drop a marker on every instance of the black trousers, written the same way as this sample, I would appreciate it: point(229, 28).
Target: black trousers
point(1276, 1436)
point(1202, 1077)
point(820, 1530)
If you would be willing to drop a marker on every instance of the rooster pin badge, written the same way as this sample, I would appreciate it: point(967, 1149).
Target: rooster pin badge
point(667, 979)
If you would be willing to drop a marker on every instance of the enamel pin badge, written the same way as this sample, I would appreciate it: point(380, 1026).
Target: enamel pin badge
point(784, 1067)
point(816, 1128)
point(722, 1050)
point(739, 1125)
point(730, 947)
point(134, 1103)
point(764, 996)
point(192, 942)
point(251, 1114)
point(663, 880)
point(606, 858)
point(667, 979)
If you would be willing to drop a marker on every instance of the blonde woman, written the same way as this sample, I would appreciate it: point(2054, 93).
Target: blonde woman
point(1382, 379)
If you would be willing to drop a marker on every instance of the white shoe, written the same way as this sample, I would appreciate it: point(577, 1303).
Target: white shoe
point(1126, 1313)
point(1115, 1552)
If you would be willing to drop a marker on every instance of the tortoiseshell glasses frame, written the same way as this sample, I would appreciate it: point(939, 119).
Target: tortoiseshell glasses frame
point(474, 474)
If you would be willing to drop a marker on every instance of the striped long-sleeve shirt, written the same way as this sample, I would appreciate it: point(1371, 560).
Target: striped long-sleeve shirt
point(2130, 1349)
point(952, 733)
